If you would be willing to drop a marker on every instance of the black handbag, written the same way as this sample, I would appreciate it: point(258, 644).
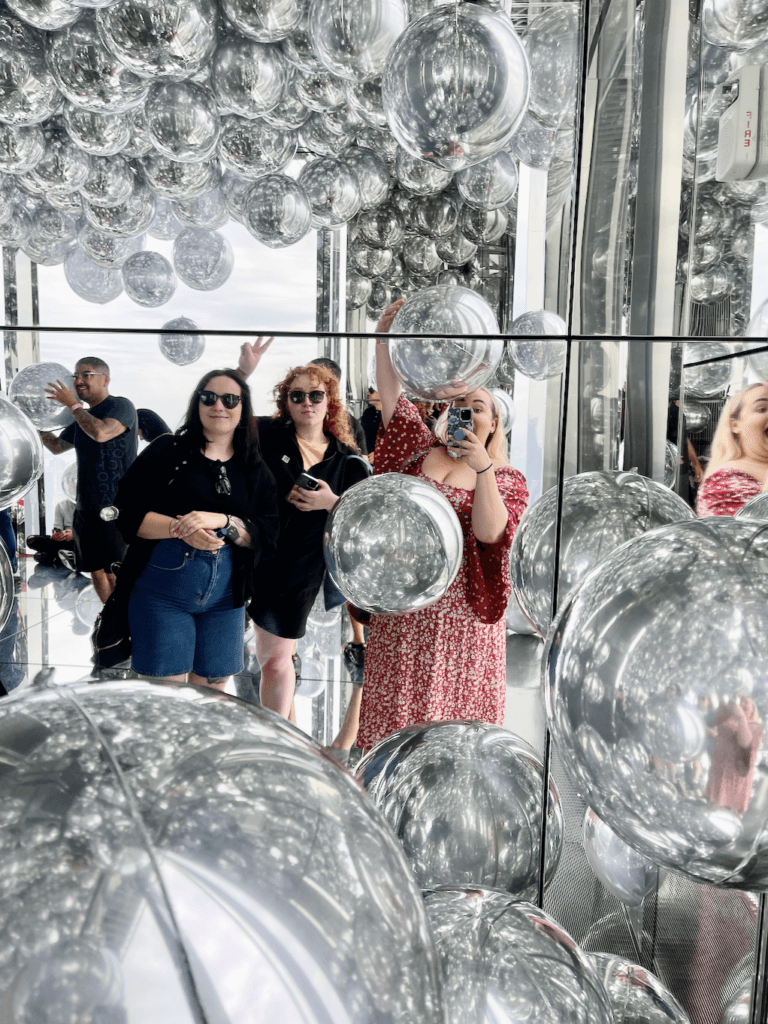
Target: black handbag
point(111, 634)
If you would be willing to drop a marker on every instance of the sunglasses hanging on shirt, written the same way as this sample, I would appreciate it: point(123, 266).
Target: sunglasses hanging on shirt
point(223, 486)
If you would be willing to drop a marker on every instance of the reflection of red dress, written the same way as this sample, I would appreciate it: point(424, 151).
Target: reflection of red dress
point(449, 660)
point(737, 742)
point(726, 491)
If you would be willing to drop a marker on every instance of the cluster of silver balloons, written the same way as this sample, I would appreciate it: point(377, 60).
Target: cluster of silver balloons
point(122, 121)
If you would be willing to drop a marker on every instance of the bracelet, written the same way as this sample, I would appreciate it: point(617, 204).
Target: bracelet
point(479, 471)
point(170, 527)
point(382, 341)
point(226, 525)
point(75, 405)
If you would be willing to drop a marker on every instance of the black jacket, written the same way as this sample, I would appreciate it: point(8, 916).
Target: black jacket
point(287, 584)
point(156, 482)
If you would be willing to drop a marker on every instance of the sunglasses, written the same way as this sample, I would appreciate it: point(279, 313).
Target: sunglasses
point(211, 398)
point(315, 397)
point(87, 375)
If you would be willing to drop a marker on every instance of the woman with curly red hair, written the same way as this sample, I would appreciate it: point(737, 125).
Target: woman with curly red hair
point(309, 434)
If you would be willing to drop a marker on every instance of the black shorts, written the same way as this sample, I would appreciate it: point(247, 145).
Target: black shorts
point(97, 544)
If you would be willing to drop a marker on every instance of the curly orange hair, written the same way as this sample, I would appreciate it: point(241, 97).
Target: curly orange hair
point(336, 420)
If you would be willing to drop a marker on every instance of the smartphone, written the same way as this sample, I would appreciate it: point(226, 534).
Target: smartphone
point(307, 482)
point(458, 416)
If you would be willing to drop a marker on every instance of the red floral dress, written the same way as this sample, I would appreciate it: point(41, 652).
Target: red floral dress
point(447, 661)
point(726, 491)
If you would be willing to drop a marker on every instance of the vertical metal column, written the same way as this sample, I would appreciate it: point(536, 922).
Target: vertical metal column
point(330, 294)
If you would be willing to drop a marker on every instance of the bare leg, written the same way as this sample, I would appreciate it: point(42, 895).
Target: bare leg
point(358, 629)
point(215, 682)
point(103, 584)
point(278, 678)
point(348, 732)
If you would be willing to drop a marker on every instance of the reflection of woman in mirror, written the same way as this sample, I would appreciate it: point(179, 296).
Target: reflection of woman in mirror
point(738, 468)
point(447, 661)
point(738, 735)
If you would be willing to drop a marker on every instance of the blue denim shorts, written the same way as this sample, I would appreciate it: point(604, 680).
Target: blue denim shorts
point(182, 616)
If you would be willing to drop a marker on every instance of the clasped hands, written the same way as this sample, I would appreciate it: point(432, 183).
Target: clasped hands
point(312, 501)
point(198, 529)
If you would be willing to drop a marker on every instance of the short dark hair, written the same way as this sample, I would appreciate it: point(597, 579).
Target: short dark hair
point(94, 361)
point(329, 364)
point(151, 425)
point(246, 439)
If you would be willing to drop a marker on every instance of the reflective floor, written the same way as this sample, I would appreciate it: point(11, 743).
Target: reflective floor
point(54, 610)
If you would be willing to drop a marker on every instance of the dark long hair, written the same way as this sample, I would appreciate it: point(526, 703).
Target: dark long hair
point(246, 439)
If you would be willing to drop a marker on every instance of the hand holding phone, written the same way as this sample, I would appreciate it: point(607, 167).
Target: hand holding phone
point(307, 482)
point(460, 418)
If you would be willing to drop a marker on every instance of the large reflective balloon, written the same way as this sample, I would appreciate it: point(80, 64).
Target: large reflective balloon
point(462, 104)
point(709, 379)
point(252, 148)
point(21, 453)
point(266, 21)
point(371, 173)
point(624, 872)
point(30, 94)
point(505, 961)
point(552, 44)
point(755, 508)
point(465, 799)
point(419, 176)
point(297, 48)
point(172, 179)
point(247, 77)
point(181, 349)
point(506, 407)
point(204, 211)
point(365, 99)
point(149, 279)
point(332, 190)
point(277, 211)
point(110, 181)
point(165, 224)
point(490, 184)
point(434, 216)
point(47, 15)
point(290, 113)
point(15, 229)
point(21, 148)
point(353, 38)
point(433, 368)
point(105, 250)
point(127, 219)
point(420, 255)
point(382, 227)
point(367, 260)
point(235, 191)
point(734, 24)
point(182, 121)
point(600, 512)
point(636, 995)
point(455, 249)
point(224, 864)
point(88, 74)
point(358, 290)
point(97, 134)
point(542, 358)
point(204, 260)
point(171, 39)
point(319, 90)
point(27, 391)
point(322, 140)
point(63, 167)
point(393, 544)
point(90, 281)
point(672, 623)
point(483, 226)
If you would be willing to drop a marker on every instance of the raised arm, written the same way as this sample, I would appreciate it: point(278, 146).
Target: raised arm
point(250, 356)
point(99, 430)
point(387, 383)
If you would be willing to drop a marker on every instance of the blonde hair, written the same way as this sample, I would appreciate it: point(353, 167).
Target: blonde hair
point(494, 445)
point(725, 444)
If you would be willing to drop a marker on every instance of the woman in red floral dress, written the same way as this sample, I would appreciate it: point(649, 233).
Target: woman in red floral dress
point(738, 468)
point(447, 661)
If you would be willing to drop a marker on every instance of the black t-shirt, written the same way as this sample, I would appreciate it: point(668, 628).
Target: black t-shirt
point(101, 465)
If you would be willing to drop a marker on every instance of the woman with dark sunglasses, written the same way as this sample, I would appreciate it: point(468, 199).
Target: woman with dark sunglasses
point(308, 441)
point(199, 510)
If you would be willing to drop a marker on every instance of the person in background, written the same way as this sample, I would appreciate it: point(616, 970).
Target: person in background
point(738, 467)
point(371, 421)
point(151, 425)
point(105, 439)
point(8, 537)
point(48, 548)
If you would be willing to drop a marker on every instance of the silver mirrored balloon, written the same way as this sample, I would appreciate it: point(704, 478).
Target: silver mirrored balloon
point(697, 417)
point(490, 184)
point(322, 140)
point(208, 210)
point(371, 173)
point(139, 144)
point(382, 295)
point(97, 134)
point(21, 453)
point(277, 211)
point(600, 512)
point(290, 113)
point(516, 620)
point(88, 74)
point(353, 39)
point(382, 227)
point(270, 848)
point(367, 260)
point(63, 168)
point(172, 179)
point(182, 121)
point(755, 508)
point(532, 144)
point(393, 544)
point(358, 290)
point(506, 961)
point(365, 99)
point(27, 392)
point(455, 249)
point(671, 462)
point(165, 224)
point(106, 250)
point(47, 15)
point(110, 181)
point(419, 176)
point(15, 229)
point(127, 219)
point(149, 279)
point(434, 216)
point(67, 202)
point(44, 251)
point(252, 148)
point(624, 872)
point(54, 225)
point(465, 103)
point(319, 91)
point(235, 190)
point(90, 281)
point(181, 349)
point(734, 24)
point(332, 190)
point(688, 615)
point(636, 995)
point(483, 226)
point(30, 94)
point(552, 42)
point(297, 47)
point(380, 142)
point(420, 255)
point(709, 379)
point(432, 368)
point(204, 260)
point(248, 78)
point(170, 40)
point(489, 836)
point(266, 21)
point(21, 148)
point(543, 358)
point(506, 407)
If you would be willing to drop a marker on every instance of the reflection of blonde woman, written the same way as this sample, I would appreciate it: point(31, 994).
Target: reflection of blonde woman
point(738, 468)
